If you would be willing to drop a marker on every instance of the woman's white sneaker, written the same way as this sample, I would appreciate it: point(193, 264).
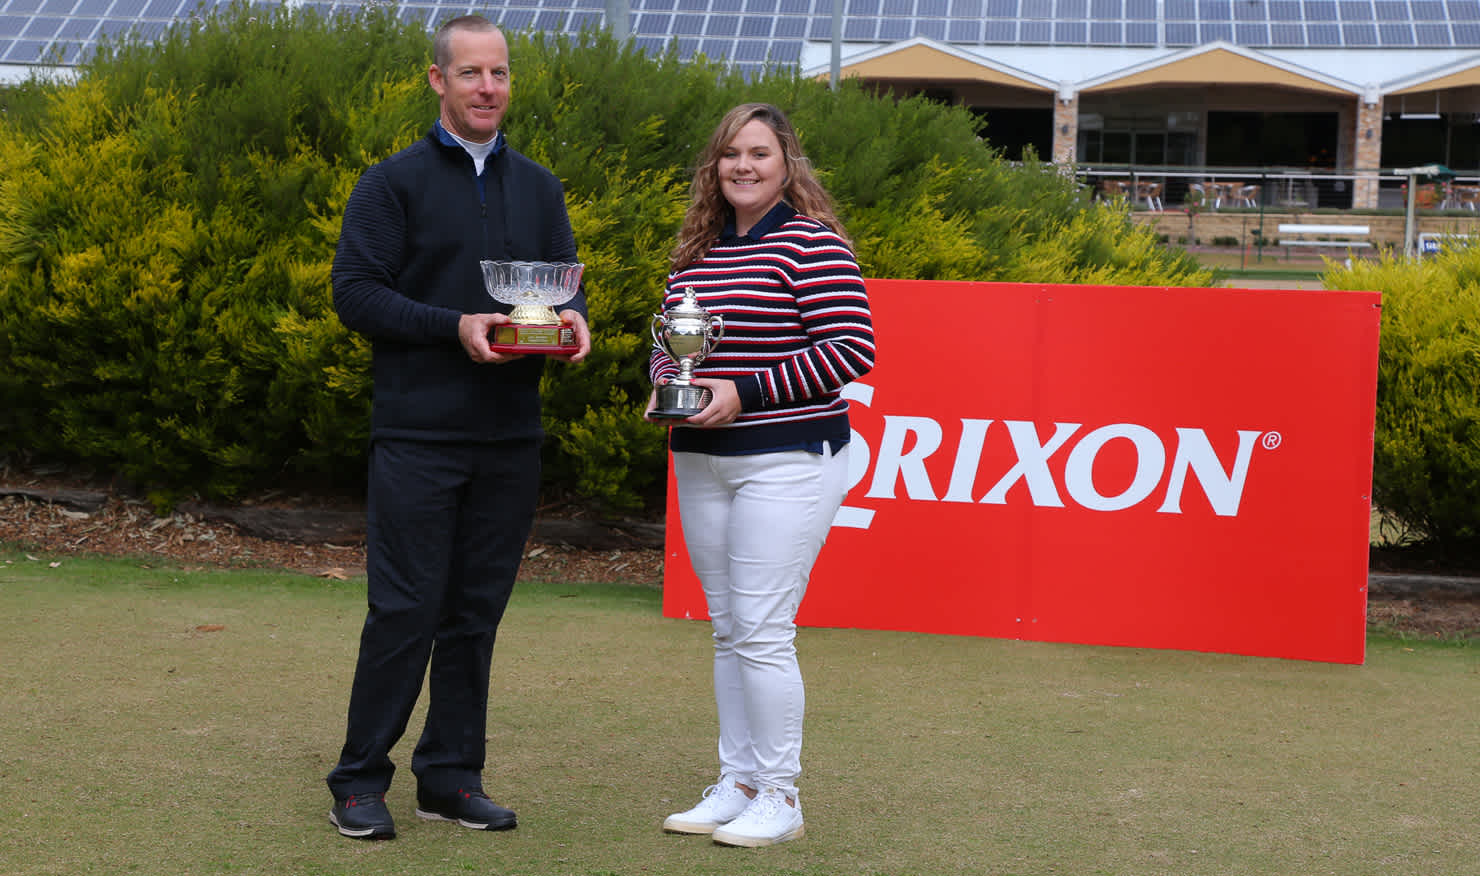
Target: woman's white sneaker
point(768, 820)
point(722, 802)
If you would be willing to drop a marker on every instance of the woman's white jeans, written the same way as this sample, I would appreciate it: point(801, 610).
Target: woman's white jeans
point(753, 526)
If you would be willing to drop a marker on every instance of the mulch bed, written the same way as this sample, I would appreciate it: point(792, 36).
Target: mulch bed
point(317, 534)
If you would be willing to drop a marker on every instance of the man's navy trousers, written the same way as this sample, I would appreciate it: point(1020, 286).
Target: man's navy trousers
point(447, 526)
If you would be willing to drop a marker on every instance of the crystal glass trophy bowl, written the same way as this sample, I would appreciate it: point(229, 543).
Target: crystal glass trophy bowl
point(533, 289)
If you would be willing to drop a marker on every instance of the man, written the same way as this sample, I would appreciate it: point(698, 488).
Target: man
point(455, 432)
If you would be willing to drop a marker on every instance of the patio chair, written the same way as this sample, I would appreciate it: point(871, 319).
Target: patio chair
point(1150, 193)
point(1224, 192)
point(1247, 196)
point(1465, 196)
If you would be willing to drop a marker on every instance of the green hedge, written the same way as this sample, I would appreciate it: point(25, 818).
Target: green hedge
point(1426, 459)
point(167, 223)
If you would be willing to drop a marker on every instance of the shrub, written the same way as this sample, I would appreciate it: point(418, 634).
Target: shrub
point(165, 249)
point(167, 224)
point(1087, 246)
point(1426, 464)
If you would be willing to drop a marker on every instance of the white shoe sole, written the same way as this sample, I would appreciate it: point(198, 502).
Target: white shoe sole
point(755, 842)
point(360, 833)
point(691, 828)
point(472, 825)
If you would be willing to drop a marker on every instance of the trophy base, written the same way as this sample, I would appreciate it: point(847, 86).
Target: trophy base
point(521, 338)
point(680, 401)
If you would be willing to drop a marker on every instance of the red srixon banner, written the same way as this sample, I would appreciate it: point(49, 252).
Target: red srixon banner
point(1154, 467)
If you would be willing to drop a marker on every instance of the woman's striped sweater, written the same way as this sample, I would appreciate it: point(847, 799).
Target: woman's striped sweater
point(796, 329)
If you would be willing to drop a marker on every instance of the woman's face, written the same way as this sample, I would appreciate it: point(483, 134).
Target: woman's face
point(752, 172)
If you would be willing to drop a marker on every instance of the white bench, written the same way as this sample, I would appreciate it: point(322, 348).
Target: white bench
point(1346, 236)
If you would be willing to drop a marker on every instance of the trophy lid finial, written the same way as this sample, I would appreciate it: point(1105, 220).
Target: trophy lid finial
point(689, 306)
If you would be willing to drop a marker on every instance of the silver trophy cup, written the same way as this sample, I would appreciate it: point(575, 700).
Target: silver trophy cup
point(688, 334)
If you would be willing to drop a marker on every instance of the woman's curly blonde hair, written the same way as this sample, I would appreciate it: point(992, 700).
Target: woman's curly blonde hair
point(708, 209)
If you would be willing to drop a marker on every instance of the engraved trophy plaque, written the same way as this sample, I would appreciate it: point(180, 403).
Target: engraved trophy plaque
point(532, 289)
point(688, 334)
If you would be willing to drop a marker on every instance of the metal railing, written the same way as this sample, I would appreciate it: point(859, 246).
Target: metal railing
point(1282, 188)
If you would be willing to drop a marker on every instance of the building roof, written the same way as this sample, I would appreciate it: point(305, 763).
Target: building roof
point(1387, 45)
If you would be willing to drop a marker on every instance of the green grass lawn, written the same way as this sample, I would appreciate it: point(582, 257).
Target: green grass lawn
point(1236, 265)
point(160, 721)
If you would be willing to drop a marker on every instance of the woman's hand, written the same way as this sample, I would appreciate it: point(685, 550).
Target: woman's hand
point(651, 405)
point(722, 409)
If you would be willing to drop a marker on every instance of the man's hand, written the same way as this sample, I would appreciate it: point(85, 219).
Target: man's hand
point(583, 336)
point(473, 330)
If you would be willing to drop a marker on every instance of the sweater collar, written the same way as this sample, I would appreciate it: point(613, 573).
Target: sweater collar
point(767, 223)
point(447, 139)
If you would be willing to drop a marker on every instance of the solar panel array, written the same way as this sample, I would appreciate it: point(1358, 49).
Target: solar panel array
point(752, 34)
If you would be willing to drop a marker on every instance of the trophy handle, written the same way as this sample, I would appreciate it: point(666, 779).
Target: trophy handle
point(717, 327)
point(655, 328)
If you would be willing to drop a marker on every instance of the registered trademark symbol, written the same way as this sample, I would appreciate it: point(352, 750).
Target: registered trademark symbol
point(1272, 440)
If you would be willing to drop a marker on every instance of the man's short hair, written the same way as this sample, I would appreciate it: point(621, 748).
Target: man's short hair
point(442, 44)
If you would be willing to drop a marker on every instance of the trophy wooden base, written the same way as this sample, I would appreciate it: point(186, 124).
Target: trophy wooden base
point(517, 337)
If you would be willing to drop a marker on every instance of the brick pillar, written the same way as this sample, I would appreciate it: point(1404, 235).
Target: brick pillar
point(1065, 126)
point(1368, 154)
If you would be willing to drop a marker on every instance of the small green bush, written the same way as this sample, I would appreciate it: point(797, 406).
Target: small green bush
point(1426, 464)
point(1087, 246)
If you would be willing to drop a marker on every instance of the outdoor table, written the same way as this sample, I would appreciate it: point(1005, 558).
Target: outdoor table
point(1291, 198)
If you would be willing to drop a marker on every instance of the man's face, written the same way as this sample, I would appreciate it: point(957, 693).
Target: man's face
point(474, 87)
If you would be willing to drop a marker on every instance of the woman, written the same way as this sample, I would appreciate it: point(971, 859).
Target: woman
point(763, 467)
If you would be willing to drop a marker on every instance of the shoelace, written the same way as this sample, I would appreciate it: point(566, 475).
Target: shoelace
point(766, 805)
point(724, 785)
